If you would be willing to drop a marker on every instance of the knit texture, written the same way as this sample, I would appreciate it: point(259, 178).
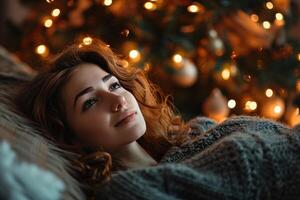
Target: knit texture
point(241, 158)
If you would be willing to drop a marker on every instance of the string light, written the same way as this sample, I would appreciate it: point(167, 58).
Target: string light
point(266, 25)
point(269, 92)
point(231, 103)
point(279, 21)
point(49, 1)
point(42, 50)
point(48, 23)
point(177, 58)
point(225, 74)
point(107, 2)
point(250, 105)
point(277, 109)
point(254, 17)
point(193, 8)
point(279, 16)
point(269, 5)
point(298, 56)
point(87, 40)
point(55, 12)
point(134, 55)
point(150, 6)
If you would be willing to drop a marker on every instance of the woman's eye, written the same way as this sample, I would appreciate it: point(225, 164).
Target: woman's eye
point(115, 86)
point(88, 103)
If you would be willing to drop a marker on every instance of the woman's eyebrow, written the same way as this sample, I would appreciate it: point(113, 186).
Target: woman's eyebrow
point(89, 89)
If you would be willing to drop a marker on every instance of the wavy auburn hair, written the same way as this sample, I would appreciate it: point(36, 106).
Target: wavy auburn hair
point(40, 100)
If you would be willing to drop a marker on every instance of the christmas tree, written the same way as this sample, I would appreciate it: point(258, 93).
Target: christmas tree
point(217, 58)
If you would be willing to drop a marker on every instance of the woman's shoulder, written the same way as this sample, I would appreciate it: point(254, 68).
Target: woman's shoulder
point(205, 132)
point(204, 125)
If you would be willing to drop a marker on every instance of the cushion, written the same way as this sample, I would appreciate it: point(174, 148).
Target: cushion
point(25, 137)
point(18, 179)
point(11, 65)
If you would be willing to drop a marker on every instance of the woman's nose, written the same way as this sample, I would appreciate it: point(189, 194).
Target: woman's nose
point(118, 103)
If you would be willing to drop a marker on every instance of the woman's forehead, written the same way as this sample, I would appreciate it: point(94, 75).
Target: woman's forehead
point(84, 75)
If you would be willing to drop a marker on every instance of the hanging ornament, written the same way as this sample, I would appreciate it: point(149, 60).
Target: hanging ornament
point(282, 5)
point(125, 33)
point(273, 107)
point(216, 45)
point(186, 72)
point(244, 34)
point(215, 106)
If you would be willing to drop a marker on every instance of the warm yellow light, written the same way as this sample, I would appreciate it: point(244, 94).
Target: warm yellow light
point(134, 54)
point(251, 105)
point(254, 17)
point(41, 50)
point(269, 92)
point(266, 25)
point(225, 74)
point(231, 103)
point(298, 56)
point(49, 1)
point(48, 23)
point(247, 105)
point(55, 12)
point(87, 40)
point(177, 58)
point(279, 16)
point(269, 5)
point(277, 109)
point(193, 8)
point(297, 111)
point(107, 2)
point(150, 6)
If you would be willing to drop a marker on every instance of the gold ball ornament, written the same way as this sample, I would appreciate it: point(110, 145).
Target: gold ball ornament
point(186, 73)
point(215, 106)
point(273, 108)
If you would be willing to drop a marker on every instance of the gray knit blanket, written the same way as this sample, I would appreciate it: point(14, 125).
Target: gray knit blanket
point(242, 158)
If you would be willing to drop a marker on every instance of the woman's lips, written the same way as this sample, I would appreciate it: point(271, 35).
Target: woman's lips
point(129, 117)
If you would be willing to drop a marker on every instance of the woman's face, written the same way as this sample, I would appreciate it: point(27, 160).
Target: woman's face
point(99, 110)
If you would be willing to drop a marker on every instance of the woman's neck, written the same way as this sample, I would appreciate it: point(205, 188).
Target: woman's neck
point(134, 156)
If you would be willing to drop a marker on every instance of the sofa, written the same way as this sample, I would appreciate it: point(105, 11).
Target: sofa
point(31, 167)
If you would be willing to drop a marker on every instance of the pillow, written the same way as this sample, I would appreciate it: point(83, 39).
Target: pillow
point(18, 179)
point(11, 65)
point(26, 138)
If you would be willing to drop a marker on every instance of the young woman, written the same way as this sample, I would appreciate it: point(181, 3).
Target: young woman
point(133, 145)
point(92, 103)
